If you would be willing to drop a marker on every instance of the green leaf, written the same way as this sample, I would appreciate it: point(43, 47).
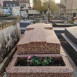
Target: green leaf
point(28, 61)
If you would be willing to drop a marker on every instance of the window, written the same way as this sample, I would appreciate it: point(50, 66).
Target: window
point(23, 5)
point(10, 5)
point(7, 5)
point(14, 5)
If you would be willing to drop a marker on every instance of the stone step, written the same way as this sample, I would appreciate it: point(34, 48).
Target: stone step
point(71, 33)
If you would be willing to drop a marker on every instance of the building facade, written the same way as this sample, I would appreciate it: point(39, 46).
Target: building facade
point(61, 10)
point(25, 4)
point(1, 2)
point(11, 8)
point(10, 4)
point(71, 7)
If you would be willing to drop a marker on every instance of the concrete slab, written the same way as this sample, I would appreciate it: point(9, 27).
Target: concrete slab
point(70, 42)
point(73, 31)
point(59, 28)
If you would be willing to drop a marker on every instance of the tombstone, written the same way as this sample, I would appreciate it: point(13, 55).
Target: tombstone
point(39, 39)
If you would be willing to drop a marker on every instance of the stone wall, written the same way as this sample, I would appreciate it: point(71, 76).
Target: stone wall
point(9, 36)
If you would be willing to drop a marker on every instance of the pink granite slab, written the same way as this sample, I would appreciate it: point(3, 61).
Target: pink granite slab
point(39, 38)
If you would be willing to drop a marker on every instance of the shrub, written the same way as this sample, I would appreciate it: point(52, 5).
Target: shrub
point(38, 61)
point(72, 22)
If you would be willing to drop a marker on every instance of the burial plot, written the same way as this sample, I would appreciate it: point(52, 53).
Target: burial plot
point(39, 55)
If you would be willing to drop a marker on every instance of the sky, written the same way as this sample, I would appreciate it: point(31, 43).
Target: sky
point(57, 1)
point(31, 3)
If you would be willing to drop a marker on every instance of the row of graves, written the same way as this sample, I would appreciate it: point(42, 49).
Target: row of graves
point(39, 54)
point(60, 26)
point(67, 33)
point(61, 23)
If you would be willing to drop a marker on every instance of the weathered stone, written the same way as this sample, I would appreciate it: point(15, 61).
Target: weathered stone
point(6, 61)
point(8, 21)
point(9, 35)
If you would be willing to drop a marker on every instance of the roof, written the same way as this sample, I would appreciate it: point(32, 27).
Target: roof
point(33, 12)
point(23, 1)
point(10, 2)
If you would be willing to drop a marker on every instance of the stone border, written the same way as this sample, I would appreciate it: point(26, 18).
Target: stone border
point(40, 71)
point(7, 60)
